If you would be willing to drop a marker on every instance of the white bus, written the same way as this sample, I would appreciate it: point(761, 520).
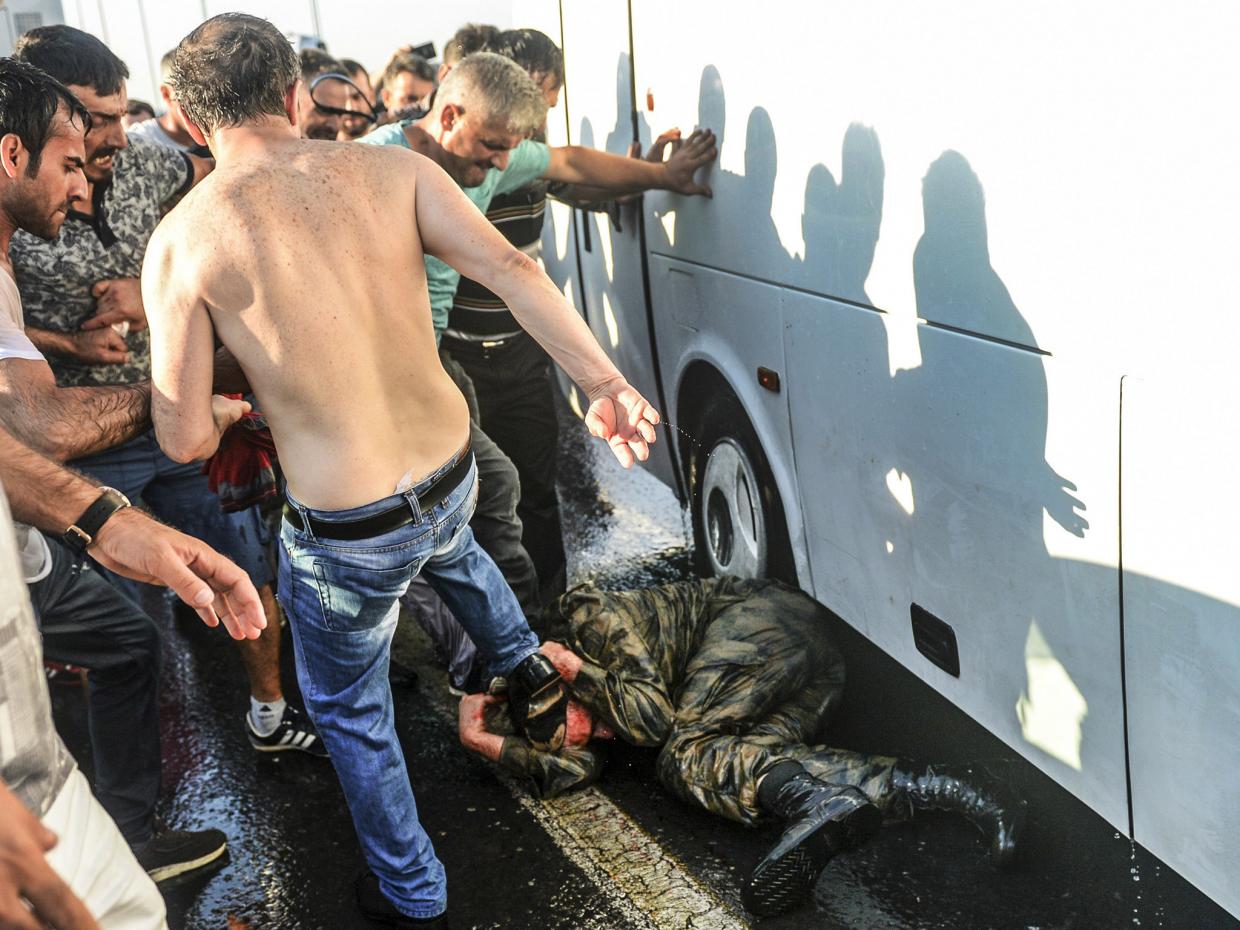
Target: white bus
point(953, 341)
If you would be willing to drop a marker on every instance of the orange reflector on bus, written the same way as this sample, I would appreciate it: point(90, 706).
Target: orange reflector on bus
point(769, 379)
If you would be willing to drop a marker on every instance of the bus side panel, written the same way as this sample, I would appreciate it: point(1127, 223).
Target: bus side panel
point(733, 325)
point(1182, 623)
point(932, 486)
point(599, 82)
point(841, 406)
point(1100, 189)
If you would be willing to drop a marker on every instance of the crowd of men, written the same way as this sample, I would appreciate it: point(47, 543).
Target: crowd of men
point(357, 340)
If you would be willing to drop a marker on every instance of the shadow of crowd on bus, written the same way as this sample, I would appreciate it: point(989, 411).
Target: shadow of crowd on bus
point(945, 462)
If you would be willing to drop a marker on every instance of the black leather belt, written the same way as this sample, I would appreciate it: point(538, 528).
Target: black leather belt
point(386, 520)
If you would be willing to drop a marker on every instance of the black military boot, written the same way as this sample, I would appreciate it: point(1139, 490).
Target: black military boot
point(376, 907)
point(822, 820)
point(538, 701)
point(987, 801)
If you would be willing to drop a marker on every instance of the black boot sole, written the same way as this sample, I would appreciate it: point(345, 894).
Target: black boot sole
point(786, 883)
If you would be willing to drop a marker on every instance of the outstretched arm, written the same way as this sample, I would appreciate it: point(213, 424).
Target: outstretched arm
point(65, 423)
point(189, 420)
point(617, 175)
point(130, 543)
point(585, 197)
point(454, 230)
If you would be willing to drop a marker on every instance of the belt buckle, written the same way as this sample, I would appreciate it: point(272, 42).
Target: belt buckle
point(493, 343)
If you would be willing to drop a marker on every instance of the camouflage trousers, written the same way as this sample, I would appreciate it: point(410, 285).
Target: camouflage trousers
point(758, 691)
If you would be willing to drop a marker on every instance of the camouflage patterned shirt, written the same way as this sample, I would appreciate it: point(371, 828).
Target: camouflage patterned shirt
point(635, 647)
point(55, 278)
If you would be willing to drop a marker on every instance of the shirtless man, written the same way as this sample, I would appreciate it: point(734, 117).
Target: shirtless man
point(325, 307)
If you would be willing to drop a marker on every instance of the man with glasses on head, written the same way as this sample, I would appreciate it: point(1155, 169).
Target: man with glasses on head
point(323, 95)
point(408, 82)
point(361, 104)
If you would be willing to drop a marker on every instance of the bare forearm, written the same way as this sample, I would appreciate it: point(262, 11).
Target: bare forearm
point(543, 313)
point(52, 342)
point(182, 444)
point(188, 436)
point(608, 175)
point(40, 492)
point(66, 423)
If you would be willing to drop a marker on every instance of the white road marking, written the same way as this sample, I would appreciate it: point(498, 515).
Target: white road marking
point(646, 883)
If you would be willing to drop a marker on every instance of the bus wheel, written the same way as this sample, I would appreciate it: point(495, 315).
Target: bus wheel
point(738, 519)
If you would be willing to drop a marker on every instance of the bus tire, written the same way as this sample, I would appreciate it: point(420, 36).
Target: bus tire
point(738, 518)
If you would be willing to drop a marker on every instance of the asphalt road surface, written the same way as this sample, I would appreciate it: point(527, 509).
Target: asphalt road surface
point(622, 854)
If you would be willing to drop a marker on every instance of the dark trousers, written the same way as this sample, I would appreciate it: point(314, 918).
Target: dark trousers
point(178, 494)
point(87, 622)
point(495, 522)
point(516, 408)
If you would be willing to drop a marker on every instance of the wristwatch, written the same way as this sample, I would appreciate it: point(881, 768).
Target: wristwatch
point(81, 533)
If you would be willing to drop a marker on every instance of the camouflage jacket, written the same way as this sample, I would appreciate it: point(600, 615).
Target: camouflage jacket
point(635, 647)
point(55, 278)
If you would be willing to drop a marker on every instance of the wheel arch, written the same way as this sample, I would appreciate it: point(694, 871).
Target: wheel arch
point(701, 379)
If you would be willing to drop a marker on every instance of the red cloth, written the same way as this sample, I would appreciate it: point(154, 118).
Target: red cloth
point(242, 471)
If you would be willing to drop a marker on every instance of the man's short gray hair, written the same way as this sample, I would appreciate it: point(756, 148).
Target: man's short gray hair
point(497, 89)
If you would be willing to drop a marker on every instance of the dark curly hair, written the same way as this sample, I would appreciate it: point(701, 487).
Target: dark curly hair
point(29, 102)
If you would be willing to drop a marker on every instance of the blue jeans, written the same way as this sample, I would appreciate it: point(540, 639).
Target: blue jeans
point(341, 599)
point(178, 495)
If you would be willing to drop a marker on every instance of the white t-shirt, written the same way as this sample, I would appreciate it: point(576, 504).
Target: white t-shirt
point(14, 343)
point(150, 129)
point(32, 549)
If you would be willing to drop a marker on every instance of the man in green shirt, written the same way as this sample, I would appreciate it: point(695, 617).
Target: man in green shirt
point(487, 159)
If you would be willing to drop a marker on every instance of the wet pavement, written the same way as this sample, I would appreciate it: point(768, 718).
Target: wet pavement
point(622, 854)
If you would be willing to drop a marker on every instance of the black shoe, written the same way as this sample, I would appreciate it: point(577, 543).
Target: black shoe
point(986, 800)
point(823, 820)
point(376, 907)
point(170, 853)
point(293, 731)
point(538, 701)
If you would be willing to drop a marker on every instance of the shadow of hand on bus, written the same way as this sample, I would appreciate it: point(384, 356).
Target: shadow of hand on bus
point(972, 437)
point(969, 312)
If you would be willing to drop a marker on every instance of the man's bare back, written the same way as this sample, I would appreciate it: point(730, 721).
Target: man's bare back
point(306, 260)
point(309, 262)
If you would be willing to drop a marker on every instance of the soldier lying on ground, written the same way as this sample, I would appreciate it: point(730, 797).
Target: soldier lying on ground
point(734, 680)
